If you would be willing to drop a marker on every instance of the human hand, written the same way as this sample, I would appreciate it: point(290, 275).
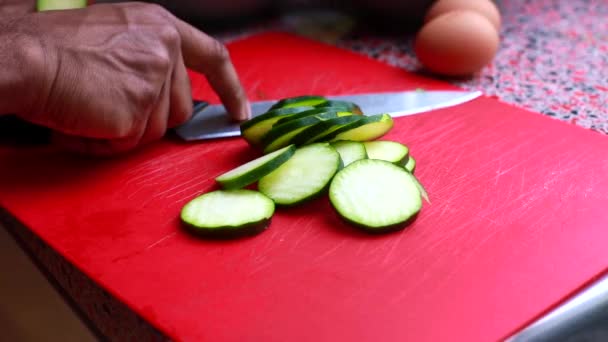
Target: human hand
point(113, 77)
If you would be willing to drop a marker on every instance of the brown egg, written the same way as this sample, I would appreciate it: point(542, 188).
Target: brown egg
point(487, 8)
point(458, 43)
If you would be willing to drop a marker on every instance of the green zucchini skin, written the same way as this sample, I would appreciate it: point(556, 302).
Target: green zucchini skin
point(350, 106)
point(310, 112)
point(281, 135)
point(251, 176)
point(299, 101)
point(410, 165)
point(256, 128)
point(376, 230)
point(360, 130)
point(314, 131)
point(228, 232)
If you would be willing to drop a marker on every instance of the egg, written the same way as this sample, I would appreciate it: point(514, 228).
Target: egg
point(487, 8)
point(457, 43)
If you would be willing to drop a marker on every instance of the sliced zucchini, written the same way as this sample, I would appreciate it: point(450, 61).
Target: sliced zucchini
point(411, 164)
point(252, 171)
point(281, 135)
point(350, 151)
point(314, 111)
point(390, 151)
point(228, 213)
point(375, 195)
point(310, 133)
point(52, 5)
point(366, 129)
point(303, 177)
point(255, 128)
point(328, 133)
point(299, 101)
point(351, 107)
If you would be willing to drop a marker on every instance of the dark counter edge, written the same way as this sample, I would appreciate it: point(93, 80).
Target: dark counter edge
point(106, 317)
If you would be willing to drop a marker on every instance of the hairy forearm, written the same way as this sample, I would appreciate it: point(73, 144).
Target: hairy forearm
point(16, 56)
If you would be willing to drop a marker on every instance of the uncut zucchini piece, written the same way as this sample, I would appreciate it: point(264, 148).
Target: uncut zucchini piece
point(350, 106)
point(306, 175)
point(52, 5)
point(254, 129)
point(281, 135)
point(411, 164)
point(367, 129)
point(350, 151)
point(375, 195)
point(390, 151)
point(321, 128)
point(299, 101)
point(228, 214)
point(252, 171)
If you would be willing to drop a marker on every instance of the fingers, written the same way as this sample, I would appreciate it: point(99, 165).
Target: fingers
point(208, 56)
point(156, 127)
point(181, 95)
point(92, 146)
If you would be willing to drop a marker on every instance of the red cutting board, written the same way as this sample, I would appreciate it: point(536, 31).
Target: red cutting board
point(517, 221)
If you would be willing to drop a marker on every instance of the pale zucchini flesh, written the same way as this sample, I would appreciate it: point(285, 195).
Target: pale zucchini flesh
point(375, 195)
point(390, 151)
point(350, 151)
point(303, 177)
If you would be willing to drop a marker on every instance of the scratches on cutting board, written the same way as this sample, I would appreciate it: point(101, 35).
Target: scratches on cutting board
point(168, 236)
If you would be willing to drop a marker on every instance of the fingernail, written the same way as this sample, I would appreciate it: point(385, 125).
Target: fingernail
point(245, 114)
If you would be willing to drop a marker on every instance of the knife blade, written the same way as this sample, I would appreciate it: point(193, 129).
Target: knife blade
point(212, 121)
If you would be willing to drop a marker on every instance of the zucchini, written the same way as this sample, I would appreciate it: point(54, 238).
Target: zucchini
point(306, 175)
point(350, 106)
point(252, 171)
point(314, 111)
point(366, 129)
point(254, 129)
point(309, 134)
point(390, 151)
point(228, 213)
point(299, 101)
point(350, 151)
point(375, 195)
point(281, 135)
point(52, 5)
point(411, 164)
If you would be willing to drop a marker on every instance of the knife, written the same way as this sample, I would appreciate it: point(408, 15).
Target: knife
point(212, 121)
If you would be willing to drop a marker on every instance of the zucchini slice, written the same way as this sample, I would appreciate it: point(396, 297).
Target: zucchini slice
point(350, 106)
point(52, 5)
point(281, 135)
point(350, 151)
point(375, 195)
point(299, 101)
point(306, 175)
point(312, 132)
point(411, 164)
point(328, 133)
point(390, 151)
point(366, 129)
point(228, 213)
point(254, 129)
point(314, 111)
point(252, 171)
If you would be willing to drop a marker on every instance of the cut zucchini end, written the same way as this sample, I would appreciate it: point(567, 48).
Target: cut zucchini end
point(410, 165)
point(391, 151)
point(227, 214)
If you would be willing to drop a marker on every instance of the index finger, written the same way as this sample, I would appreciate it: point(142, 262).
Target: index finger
point(204, 54)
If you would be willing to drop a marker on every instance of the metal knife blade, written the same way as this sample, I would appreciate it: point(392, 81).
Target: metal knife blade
point(211, 121)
